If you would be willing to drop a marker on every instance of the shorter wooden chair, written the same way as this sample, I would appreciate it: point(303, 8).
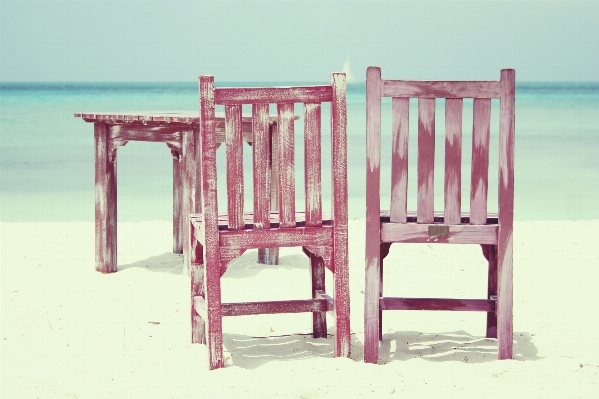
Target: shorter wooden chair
point(217, 239)
point(492, 232)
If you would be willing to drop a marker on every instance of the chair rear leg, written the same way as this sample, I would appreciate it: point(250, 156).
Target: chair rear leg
point(214, 324)
point(319, 319)
point(490, 252)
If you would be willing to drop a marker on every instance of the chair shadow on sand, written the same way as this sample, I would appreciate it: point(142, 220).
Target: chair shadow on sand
point(252, 352)
point(166, 263)
point(451, 346)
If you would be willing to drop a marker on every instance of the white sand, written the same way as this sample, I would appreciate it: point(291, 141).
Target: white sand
point(70, 332)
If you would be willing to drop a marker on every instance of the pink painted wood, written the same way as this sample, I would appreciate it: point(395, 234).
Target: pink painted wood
point(480, 160)
point(451, 226)
point(217, 239)
point(234, 166)
point(426, 159)
point(453, 160)
point(399, 161)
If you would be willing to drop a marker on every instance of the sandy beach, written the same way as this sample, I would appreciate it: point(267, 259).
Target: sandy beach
point(70, 332)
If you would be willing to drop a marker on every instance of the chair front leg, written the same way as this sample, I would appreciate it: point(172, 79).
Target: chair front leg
point(319, 319)
point(490, 252)
point(342, 323)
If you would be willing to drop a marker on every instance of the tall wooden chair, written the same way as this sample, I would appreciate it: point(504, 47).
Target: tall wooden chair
point(492, 232)
point(217, 239)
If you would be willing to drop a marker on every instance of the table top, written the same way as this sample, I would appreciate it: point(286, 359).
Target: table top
point(158, 117)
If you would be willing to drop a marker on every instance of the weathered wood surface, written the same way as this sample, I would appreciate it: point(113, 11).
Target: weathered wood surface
point(453, 160)
point(492, 231)
point(234, 166)
point(458, 234)
point(440, 89)
point(224, 237)
point(399, 159)
point(286, 158)
point(106, 206)
point(272, 307)
point(506, 213)
point(312, 162)
point(426, 159)
point(157, 117)
point(480, 160)
point(477, 305)
point(373, 225)
point(206, 155)
point(274, 95)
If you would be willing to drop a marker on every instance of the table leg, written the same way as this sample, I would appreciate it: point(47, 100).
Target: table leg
point(177, 205)
point(106, 206)
point(270, 256)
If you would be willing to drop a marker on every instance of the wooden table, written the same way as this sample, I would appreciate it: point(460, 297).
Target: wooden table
point(178, 130)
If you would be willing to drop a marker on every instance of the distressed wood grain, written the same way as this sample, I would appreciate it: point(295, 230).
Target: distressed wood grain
point(399, 159)
point(373, 188)
point(206, 153)
point(440, 89)
point(105, 198)
point(426, 159)
point(234, 166)
point(453, 160)
point(506, 214)
point(312, 162)
point(286, 158)
point(481, 130)
point(270, 95)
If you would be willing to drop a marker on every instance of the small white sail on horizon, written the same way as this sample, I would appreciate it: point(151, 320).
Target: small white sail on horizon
point(349, 76)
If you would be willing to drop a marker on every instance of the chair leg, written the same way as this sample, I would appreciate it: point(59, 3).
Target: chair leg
point(490, 252)
point(505, 334)
point(319, 319)
point(371, 307)
point(384, 252)
point(380, 296)
point(214, 324)
point(342, 323)
point(198, 326)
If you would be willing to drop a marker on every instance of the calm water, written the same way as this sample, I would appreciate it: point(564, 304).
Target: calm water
point(47, 155)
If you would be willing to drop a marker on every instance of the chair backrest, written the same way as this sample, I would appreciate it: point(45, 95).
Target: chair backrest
point(260, 98)
point(453, 92)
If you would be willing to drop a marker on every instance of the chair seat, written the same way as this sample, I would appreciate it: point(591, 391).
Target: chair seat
point(437, 232)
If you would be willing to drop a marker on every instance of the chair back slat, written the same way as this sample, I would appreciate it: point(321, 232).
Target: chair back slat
point(286, 165)
point(234, 142)
point(274, 95)
point(481, 129)
point(426, 160)
point(312, 159)
point(399, 160)
point(453, 160)
point(261, 162)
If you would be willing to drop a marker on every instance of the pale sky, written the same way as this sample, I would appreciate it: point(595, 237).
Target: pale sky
point(297, 40)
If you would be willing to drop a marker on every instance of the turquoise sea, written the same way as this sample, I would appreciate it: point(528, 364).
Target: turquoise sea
point(47, 155)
